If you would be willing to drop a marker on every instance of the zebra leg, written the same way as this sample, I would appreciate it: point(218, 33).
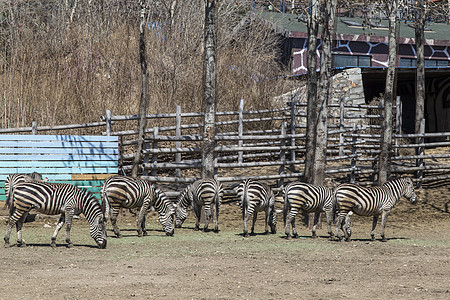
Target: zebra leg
point(141, 220)
point(374, 224)
point(216, 216)
point(69, 217)
point(245, 222)
point(384, 216)
point(346, 228)
point(339, 226)
point(208, 217)
point(114, 215)
point(329, 214)
point(316, 220)
point(255, 215)
point(197, 212)
point(60, 224)
point(294, 230)
point(19, 225)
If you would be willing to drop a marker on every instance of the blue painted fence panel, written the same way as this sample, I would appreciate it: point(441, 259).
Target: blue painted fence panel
point(81, 160)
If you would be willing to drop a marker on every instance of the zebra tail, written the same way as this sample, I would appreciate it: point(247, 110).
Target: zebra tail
point(9, 197)
point(106, 204)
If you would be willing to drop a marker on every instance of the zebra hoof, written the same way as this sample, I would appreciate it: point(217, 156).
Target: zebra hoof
point(69, 245)
point(295, 235)
point(314, 236)
point(245, 234)
point(53, 245)
point(347, 239)
point(383, 239)
point(7, 245)
point(21, 244)
point(145, 233)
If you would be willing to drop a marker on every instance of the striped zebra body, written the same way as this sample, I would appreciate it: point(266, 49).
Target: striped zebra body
point(311, 199)
point(15, 179)
point(256, 197)
point(128, 192)
point(203, 193)
point(54, 199)
point(371, 201)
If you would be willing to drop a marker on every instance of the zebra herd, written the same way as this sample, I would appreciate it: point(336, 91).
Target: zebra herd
point(26, 192)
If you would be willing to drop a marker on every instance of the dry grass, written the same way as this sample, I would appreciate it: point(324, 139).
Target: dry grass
point(61, 64)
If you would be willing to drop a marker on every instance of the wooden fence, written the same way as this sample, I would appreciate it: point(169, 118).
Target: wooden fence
point(81, 160)
point(269, 145)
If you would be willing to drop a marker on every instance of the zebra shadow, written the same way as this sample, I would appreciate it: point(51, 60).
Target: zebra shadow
point(47, 245)
point(367, 240)
point(130, 233)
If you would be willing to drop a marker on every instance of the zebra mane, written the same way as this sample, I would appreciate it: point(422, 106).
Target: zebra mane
point(182, 199)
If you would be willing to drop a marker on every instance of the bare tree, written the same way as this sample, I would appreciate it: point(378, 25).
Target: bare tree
point(324, 92)
point(144, 76)
point(313, 29)
point(384, 162)
point(420, 63)
point(209, 91)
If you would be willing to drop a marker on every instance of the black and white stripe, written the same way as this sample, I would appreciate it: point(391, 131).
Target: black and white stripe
point(52, 199)
point(128, 192)
point(256, 197)
point(311, 199)
point(370, 201)
point(203, 193)
point(13, 180)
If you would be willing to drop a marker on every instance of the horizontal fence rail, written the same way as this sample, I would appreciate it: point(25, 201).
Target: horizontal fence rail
point(265, 145)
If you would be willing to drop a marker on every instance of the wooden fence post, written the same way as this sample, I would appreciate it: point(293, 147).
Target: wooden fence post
point(241, 129)
point(341, 126)
point(178, 143)
point(293, 124)
point(353, 159)
point(154, 146)
point(398, 121)
point(420, 151)
point(34, 128)
point(282, 153)
point(108, 122)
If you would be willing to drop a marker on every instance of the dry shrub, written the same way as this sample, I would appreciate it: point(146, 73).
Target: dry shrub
point(67, 64)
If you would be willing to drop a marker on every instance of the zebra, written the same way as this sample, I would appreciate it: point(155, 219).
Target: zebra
point(128, 192)
point(311, 199)
point(256, 197)
point(14, 179)
point(370, 201)
point(53, 199)
point(202, 193)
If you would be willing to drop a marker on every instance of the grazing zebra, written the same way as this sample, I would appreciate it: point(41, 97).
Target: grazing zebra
point(52, 199)
point(202, 193)
point(311, 199)
point(128, 192)
point(14, 179)
point(371, 201)
point(255, 197)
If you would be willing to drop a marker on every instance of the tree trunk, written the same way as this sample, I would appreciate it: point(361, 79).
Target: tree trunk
point(384, 164)
point(210, 91)
point(143, 102)
point(420, 64)
point(313, 28)
point(324, 93)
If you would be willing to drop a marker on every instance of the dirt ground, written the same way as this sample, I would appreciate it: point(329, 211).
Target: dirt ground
point(413, 264)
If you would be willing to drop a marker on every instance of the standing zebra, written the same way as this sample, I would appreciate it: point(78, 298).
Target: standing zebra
point(255, 197)
point(52, 199)
point(311, 199)
point(371, 201)
point(13, 180)
point(128, 192)
point(202, 193)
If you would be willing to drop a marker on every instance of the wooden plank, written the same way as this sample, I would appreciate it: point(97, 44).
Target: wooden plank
point(2, 198)
point(74, 170)
point(68, 151)
point(92, 176)
point(57, 144)
point(89, 183)
point(65, 157)
point(66, 138)
point(58, 164)
point(50, 177)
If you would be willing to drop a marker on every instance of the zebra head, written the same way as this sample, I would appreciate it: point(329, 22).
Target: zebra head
point(98, 231)
point(181, 208)
point(166, 211)
point(409, 190)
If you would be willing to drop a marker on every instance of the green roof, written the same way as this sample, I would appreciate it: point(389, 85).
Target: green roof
point(291, 23)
